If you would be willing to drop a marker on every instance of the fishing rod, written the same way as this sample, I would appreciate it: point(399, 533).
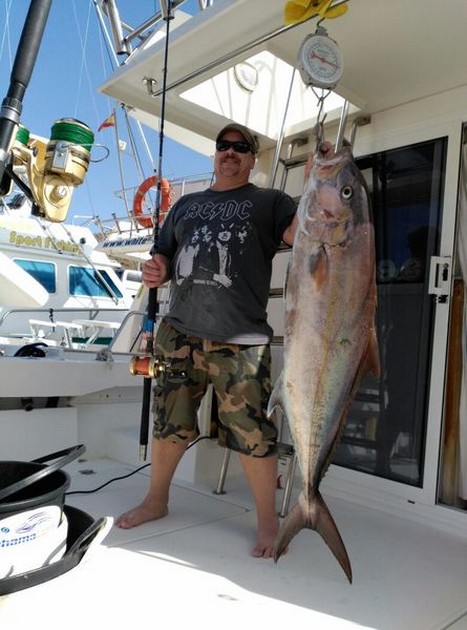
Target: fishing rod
point(152, 309)
point(23, 66)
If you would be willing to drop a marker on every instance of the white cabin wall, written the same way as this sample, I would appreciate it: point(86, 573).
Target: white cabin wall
point(26, 435)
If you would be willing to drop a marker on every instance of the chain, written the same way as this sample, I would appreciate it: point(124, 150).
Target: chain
point(318, 130)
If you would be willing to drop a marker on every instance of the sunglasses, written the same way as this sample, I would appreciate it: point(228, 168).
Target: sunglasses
point(236, 145)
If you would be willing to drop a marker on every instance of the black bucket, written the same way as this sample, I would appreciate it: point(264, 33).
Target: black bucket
point(28, 485)
point(83, 531)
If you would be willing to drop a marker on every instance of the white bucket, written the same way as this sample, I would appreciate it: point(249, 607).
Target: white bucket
point(32, 539)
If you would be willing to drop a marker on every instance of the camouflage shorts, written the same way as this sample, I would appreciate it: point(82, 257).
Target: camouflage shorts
point(240, 376)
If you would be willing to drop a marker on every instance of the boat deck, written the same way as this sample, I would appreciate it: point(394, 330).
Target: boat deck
point(194, 569)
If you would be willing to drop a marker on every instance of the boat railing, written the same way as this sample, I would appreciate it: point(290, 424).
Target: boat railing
point(81, 333)
point(76, 328)
point(130, 225)
point(136, 37)
point(51, 312)
point(127, 338)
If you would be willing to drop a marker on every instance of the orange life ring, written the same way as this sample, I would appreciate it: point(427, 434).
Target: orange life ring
point(165, 201)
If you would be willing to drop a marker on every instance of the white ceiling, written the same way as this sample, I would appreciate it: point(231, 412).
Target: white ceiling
point(394, 52)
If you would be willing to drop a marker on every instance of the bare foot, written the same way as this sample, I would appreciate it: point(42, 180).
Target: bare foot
point(147, 510)
point(265, 540)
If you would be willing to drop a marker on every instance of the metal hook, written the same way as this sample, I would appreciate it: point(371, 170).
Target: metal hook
point(319, 27)
point(318, 130)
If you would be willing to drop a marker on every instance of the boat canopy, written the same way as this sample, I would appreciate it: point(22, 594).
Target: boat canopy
point(229, 62)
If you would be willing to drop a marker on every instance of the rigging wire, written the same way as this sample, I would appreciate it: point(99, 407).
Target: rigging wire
point(84, 71)
point(6, 33)
point(106, 44)
point(83, 65)
point(120, 165)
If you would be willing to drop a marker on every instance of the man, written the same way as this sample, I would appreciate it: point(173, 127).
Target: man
point(215, 330)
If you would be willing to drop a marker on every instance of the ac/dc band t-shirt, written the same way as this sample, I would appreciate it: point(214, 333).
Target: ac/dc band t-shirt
point(221, 245)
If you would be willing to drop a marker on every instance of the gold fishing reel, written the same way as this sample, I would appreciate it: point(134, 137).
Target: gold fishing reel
point(54, 167)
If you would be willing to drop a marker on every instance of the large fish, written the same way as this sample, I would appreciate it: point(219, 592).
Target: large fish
point(329, 335)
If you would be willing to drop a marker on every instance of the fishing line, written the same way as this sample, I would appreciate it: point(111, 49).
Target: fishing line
point(73, 133)
point(168, 17)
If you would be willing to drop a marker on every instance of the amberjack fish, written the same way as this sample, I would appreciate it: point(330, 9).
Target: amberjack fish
point(329, 334)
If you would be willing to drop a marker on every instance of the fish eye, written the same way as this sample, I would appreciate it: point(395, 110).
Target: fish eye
point(346, 193)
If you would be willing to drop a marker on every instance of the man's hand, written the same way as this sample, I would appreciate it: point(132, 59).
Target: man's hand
point(156, 271)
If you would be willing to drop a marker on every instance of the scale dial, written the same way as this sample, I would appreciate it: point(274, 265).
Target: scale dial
point(320, 61)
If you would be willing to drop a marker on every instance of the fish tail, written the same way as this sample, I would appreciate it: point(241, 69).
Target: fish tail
point(318, 517)
point(295, 521)
point(327, 528)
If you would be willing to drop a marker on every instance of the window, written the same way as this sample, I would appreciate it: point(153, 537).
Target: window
point(43, 272)
point(385, 429)
point(85, 281)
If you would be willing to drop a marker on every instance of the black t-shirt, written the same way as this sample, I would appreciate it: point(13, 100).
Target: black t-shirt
point(221, 246)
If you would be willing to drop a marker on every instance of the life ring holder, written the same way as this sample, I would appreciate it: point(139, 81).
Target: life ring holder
point(165, 201)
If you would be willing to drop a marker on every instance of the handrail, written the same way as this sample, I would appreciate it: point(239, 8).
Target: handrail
point(93, 312)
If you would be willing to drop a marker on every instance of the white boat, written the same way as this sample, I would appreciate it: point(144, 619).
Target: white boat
point(398, 486)
point(55, 286)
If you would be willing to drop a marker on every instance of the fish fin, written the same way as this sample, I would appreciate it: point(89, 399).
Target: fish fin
point(368, 363)
point(370, 360)
point(317, 517)
point(373, 363)
point(286, 281)
point(294, 522)
point(328, 531)
point(275, 400)
point(318, 267)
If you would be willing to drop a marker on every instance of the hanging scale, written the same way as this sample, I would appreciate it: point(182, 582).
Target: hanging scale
point(320, 65)
point(320, 61)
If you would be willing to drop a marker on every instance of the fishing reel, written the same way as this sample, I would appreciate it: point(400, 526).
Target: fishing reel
point(153, 367)
point(148, 366)
point(54, 167)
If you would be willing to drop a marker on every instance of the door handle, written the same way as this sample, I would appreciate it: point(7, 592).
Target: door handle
point(439, 283)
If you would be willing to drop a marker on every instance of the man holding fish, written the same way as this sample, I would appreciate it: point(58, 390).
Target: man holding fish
point(216, 332)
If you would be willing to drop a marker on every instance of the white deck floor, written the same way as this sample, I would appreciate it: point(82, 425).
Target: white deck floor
point(193, 569)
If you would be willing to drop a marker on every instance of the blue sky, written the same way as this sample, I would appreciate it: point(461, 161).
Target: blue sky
point(71, 64)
